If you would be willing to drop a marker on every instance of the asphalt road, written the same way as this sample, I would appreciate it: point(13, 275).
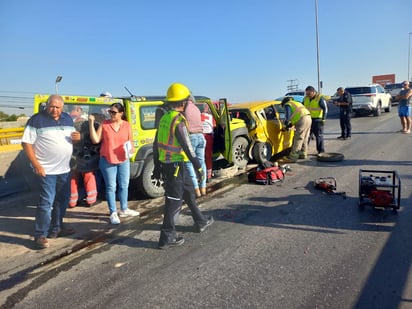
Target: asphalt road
point(287, 246)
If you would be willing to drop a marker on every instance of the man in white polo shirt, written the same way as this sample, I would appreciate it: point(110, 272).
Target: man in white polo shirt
point(47, 141)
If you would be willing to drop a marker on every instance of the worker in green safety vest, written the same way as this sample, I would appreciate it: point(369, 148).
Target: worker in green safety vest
point(297, 116)
point(171, 149)
point(318, 109)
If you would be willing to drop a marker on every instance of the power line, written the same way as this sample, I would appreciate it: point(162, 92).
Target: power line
point(293, 85)
point(14, 106)
point(13, 97)
point(8, 91)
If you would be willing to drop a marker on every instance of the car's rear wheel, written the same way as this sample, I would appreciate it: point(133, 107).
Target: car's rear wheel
point(388, 109)
point(146, 184)
point(377, 112)
point(239, 151)
point(262, 152)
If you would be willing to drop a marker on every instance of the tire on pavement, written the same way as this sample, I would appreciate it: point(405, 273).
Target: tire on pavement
point(330, 157)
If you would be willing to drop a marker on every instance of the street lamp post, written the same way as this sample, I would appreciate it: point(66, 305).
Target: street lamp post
point(409, 54)
point(317, 46)
point(58, 80)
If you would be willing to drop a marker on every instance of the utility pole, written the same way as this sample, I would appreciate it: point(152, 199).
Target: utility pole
point(317, 47)
point(409, 54)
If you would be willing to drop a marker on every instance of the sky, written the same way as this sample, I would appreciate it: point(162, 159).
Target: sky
point(240, 50)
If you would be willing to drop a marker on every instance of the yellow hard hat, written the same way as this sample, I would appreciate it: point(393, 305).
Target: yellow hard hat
point(177, 92)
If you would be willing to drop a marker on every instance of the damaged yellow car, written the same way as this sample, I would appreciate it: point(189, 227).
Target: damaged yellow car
point(265, 123)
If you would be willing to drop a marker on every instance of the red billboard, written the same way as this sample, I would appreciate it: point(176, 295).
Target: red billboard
point(383, 79)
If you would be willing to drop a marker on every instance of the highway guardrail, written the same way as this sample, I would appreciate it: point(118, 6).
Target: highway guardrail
point(10, 139)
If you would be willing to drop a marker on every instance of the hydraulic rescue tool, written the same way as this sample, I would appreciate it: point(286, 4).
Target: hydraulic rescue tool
point(328, 184)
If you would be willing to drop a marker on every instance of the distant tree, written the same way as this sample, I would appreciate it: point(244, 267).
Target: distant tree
point(12, 117)
point(3, 116)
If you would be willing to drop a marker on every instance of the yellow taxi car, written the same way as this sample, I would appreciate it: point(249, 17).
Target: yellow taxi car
point(265, 123)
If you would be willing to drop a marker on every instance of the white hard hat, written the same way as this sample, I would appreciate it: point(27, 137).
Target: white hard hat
point(106, 94)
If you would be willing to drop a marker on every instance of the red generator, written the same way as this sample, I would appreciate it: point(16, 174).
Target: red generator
point(379, 189)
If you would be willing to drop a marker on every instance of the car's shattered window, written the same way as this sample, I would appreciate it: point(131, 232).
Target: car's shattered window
point(81, 112)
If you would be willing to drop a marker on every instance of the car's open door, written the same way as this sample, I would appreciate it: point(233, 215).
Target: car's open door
point(230, 141)
point(223, 138)
point(226, 130)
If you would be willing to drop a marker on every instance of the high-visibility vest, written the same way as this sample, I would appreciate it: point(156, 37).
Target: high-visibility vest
point(313, 106)
point(169, 147)
point(298, 111)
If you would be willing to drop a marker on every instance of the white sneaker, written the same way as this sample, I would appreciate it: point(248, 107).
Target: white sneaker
point(114, 218)
point(129, 213)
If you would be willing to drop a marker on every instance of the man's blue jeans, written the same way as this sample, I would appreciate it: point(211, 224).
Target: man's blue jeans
point(198, 142)
point(115, 176)
point(53, 202)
